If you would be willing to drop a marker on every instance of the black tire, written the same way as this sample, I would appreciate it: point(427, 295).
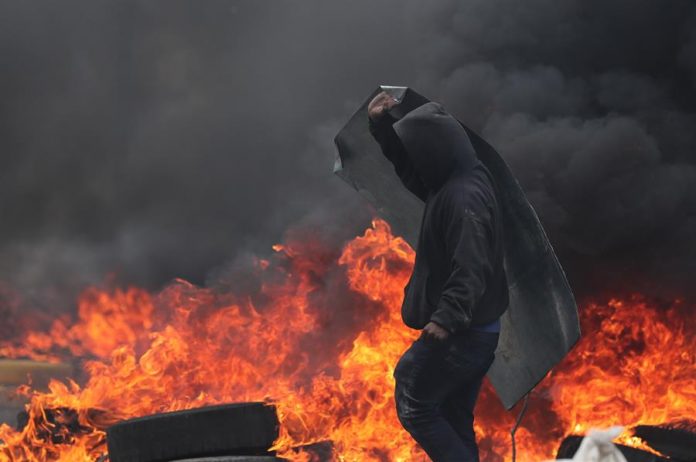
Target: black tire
point(677, 443)
point(229, 429)
point(569, 446)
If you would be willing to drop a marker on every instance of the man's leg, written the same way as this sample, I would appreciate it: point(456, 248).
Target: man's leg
point(421, 387)
point(426, 376)
point(458, 408)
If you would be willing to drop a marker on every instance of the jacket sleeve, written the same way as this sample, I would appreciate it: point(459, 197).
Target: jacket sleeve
point(384, 134)
point(468, 243)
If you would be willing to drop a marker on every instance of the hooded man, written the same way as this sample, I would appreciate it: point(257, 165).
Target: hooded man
point(458, 289)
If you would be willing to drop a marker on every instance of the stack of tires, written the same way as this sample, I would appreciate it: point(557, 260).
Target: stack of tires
point(241, 432)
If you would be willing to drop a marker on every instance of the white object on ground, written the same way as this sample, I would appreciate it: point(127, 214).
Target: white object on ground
point(597, 446)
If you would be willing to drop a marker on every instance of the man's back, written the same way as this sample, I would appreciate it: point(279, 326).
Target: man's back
point(458, 278)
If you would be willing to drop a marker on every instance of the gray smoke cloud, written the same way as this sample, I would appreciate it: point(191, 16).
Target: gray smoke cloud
point(591, 103)
point(152, 140)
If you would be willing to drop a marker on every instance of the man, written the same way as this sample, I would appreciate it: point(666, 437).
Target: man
point(458, 289)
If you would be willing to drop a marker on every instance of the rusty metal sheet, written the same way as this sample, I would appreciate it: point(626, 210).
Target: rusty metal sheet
point(541, 324)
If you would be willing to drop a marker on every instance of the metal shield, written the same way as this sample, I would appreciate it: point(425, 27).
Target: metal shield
point(541, 324)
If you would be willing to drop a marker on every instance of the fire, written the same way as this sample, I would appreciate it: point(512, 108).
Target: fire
point(319, 336)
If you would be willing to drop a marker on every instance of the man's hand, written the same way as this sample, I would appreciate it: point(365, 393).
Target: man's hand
point(435, 330)
point(380, 104)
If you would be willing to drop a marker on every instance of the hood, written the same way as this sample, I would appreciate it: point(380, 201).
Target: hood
point(436, 143)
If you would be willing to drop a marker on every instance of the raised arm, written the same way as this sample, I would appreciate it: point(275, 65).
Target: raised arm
point(380, 125)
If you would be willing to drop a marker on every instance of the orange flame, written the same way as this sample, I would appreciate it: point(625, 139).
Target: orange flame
point(329, 370)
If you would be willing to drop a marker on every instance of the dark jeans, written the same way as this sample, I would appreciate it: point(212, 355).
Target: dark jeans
point(437, 383)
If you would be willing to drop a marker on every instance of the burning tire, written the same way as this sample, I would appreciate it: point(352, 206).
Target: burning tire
point(242, 429)
point(570, 445)
point(677, 442)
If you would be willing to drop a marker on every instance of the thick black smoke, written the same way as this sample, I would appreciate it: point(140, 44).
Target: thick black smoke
point(593, 105)
point(155, 140)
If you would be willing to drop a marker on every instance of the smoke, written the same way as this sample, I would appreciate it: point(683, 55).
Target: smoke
point(591, 103)
point(146, 141)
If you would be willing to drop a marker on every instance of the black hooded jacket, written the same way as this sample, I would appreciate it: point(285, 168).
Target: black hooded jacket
point(458, 279)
